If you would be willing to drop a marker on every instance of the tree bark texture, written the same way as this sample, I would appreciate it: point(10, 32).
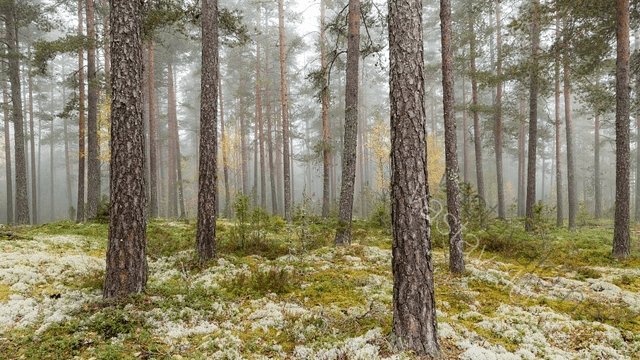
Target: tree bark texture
point(285, 114)
point(343, 233)
point(477, 132)
point(81, 126)
point(456, 245)
point(22, 196)
point(153, 140)
point(126, 271)
point(208, 176)
point(93, 147)
point(621, 239)
point(533, 120)
point(414, 313)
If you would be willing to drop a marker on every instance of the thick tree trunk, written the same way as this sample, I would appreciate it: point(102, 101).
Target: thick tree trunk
point(498, 119)
point(559, 214)
point(126, 271)
point(7, 149)
point(32, 143)
point(533, 121)
point(81, 122)
point(326, 150)
point(414, 312)
point(285, 114)
point(477, 135)
point(456, 245)
point(343, 233)
point(571, 167)
point(208, 177)
point(621, 239)
point(153, 140)
point(22, 196)
point(93, 148)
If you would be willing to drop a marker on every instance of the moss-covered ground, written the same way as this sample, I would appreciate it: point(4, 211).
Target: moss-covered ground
point(284, 292)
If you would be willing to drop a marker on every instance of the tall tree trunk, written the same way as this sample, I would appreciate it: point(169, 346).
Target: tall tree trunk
point(34, 174)
point(153, 139)
point(521, 161)
point(621, 240)
point(533, 120)
point(93, 147)
point(7, 147)
point(343, 233)
point(67, 159)
point(51, 167)
point(126, 270)
point(225, 142)
point(285, 114)
point(571, 167)
point(172, 141)
point(81, 128)
point(465, 133)
point(183, 211)
point(477, 136)
point(272, 168)
point(559, 214)
point(208, 178)
point(254, 189)
point(105, 38)
point(243, 143)
point(456, 245)
point(498, 119)
point(414, 312)
point(596, 170)
point(263, 179)
point(637, 192)
point(326, 150)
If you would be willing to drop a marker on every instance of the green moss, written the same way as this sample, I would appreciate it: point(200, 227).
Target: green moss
point(4, 292)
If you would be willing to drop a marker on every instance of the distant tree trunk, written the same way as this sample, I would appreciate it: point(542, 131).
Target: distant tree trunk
point(34, 175)
point(465, 133)
point(559, 214)
point(521, 161)
point(263, 178)
point(67, 160)
point(498, 124)
point(126, 270)
point(172, 141)
point(571, 167)
point(225, 163)
point(637, 194)
point(271, 149)
point(153, 140)
point(477, 136)
point(343, 233)
point(81, 128)
point(596, 170)
point(254, 191)
point(51, 167)
point(208, 177)
point(533, 120)
point(183, 211)
point(243, 144)
point(326, 151)
point(621, 241)
point(7, 147)
point(414, 311)
point(93, 151)
point(105, 38)
point(279, 165)
point(456, 245)
point(285, 114)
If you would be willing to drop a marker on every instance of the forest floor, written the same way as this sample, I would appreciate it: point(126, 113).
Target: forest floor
point(280, 291)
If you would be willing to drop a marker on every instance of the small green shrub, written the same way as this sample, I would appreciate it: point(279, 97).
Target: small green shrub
point(262, 282)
